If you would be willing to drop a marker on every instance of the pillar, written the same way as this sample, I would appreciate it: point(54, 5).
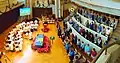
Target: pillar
point(31, 14)
point(57, 9)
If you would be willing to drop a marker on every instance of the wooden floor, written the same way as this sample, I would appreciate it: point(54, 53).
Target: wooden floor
point(57, 55)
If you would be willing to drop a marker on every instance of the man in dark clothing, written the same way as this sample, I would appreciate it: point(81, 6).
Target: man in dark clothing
point(91, 25)
point(59, 32)
point(95, 26)
point(71, 54)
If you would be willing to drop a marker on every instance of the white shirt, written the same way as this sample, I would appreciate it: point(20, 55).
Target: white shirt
point(11, 46)
point(20, 46)
point(107, 31)
point(78, 42)
point(17, 49)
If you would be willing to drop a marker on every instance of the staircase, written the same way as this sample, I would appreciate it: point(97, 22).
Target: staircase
point(116, 34)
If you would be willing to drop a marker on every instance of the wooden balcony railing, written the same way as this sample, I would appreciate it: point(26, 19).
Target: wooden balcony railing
point(104, 49)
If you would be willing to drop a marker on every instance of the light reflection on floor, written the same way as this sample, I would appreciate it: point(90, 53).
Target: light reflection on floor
point(26, 54)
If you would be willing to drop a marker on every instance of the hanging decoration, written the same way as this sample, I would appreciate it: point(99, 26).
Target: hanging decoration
point(71, 9)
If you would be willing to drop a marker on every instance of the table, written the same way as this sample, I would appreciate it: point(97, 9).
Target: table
point(39, 40)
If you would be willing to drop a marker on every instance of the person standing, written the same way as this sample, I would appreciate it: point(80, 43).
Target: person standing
point(99, 42)
point(67, 46)
point(99, 28)
point(59, 31)
point(71, 54)
point(87, 49)
point(78, 43)
point(82, 45)
point(93, 53)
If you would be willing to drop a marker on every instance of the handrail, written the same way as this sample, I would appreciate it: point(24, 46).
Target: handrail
point(104, 48)
point(99, 4)
point(98, 8)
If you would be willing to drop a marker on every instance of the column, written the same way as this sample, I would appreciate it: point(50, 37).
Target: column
point(61, 10)
point(31, 14)
point(59, 7)
point(56, 7)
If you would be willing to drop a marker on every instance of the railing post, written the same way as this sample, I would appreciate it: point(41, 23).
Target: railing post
point(106, 51)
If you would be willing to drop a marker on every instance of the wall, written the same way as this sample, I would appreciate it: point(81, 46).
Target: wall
point(112, 55)
point(9, 18)
point(37, 12)
point(113, 9)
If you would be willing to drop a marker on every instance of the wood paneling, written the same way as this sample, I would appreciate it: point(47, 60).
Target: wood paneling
point(65, 13)
point(8, 18)
point(37, 12)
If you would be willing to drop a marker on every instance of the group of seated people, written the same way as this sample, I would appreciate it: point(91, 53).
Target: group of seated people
point(96, 27)
point(42, 4)
point(88, 35)
point(48, 19)
point(68, 38)
point(14, 39)
point(99, 17)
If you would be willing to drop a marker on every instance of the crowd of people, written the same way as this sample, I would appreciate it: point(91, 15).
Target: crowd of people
point(94, 26)
point(14, 39)
point(99, 17)
point(68, 38)
point(88, 35)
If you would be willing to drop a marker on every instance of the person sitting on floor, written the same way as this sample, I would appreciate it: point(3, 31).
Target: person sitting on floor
point(11, 47)
point(32, 26)
point(35, 25)
point(17, 48)
point(7, 47)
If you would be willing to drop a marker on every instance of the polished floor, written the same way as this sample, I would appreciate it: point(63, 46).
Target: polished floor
point(56, 55)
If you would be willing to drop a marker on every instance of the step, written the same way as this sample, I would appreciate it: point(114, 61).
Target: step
point(117, 31)
point(115, 34)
